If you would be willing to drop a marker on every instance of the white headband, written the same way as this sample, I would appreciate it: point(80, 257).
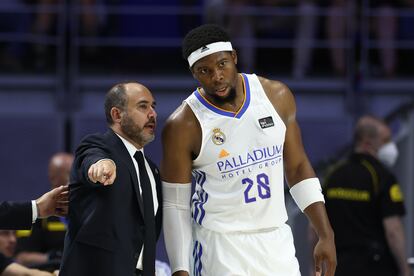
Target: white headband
point(208, 50)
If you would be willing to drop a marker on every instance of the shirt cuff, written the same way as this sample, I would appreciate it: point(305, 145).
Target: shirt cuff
point(34, 211)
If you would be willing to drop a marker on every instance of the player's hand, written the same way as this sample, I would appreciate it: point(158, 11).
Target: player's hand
point(103, 171)
point(324, 256)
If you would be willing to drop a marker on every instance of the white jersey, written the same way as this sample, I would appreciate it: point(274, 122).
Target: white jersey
point(239, 170)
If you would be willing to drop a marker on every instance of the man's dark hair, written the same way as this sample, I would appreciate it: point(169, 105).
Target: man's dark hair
point(201, 36)
point(116, 97)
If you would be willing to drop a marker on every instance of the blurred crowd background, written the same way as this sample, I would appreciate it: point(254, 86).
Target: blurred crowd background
point(340, 58)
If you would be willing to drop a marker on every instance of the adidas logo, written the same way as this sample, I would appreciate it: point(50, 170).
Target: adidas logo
point(223, 153)
point(205, 48)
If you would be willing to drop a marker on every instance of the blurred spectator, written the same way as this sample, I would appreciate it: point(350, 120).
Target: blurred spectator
point(306, 30)
point(59, 169)
point(45, 24)
point(7, 267)
point(7, 242)
point(342, 19)
point(245, 27)
point(43, 245)
point(385, 28)
point(336, 28)
point(240, 25)
point(365, 205)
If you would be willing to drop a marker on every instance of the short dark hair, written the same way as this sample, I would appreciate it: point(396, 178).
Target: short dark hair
point(201, 36)
point(367, 127)
point(365, 131)
point(116, 97)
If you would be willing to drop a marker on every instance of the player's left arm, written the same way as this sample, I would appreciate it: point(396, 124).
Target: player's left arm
point(301, 178)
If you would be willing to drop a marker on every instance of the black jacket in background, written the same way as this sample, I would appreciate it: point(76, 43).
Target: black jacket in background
point(15, 215)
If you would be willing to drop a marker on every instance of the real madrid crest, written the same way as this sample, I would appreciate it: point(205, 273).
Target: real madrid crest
point(218, 137)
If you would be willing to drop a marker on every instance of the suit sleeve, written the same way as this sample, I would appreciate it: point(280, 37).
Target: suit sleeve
point(15, 215)
point(91, 150)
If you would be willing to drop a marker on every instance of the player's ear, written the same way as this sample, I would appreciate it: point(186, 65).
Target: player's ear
point(234, 56)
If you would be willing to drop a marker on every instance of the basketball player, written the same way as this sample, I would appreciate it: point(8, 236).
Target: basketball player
point(237, 134)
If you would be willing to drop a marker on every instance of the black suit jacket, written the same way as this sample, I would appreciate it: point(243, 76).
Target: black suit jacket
point(15, 215)
point(106, 226)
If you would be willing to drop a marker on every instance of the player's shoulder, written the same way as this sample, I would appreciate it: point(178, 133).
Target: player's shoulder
point(183, 115)
point(280, 96)
point(182, 119)
point(274, 87)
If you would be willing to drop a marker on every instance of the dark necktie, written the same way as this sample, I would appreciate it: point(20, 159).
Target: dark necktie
point(149, 218)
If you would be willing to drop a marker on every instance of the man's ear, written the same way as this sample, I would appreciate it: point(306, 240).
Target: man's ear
point(116, 114)
point(234, 56)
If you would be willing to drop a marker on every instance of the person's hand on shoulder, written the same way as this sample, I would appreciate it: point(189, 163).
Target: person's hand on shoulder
point(53, 203)
point(103, 171)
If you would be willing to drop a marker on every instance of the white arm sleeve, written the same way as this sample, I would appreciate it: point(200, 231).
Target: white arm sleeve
point(177, 224)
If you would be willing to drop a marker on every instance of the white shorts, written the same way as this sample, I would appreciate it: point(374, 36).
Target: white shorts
point(265, 253)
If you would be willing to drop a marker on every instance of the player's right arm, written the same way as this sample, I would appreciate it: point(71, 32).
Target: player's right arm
point(181, 139)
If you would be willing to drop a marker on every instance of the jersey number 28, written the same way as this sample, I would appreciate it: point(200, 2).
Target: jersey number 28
point(262, 185)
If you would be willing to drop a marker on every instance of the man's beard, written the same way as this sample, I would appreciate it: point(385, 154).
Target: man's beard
point(134, 132)
point(222, 100)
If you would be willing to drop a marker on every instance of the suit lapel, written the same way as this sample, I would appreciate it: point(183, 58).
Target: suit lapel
point(126, 158)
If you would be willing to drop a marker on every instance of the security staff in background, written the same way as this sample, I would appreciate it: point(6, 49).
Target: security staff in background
point(365, 205)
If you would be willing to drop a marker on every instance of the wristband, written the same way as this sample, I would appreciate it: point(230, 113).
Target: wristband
point(306, 192)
